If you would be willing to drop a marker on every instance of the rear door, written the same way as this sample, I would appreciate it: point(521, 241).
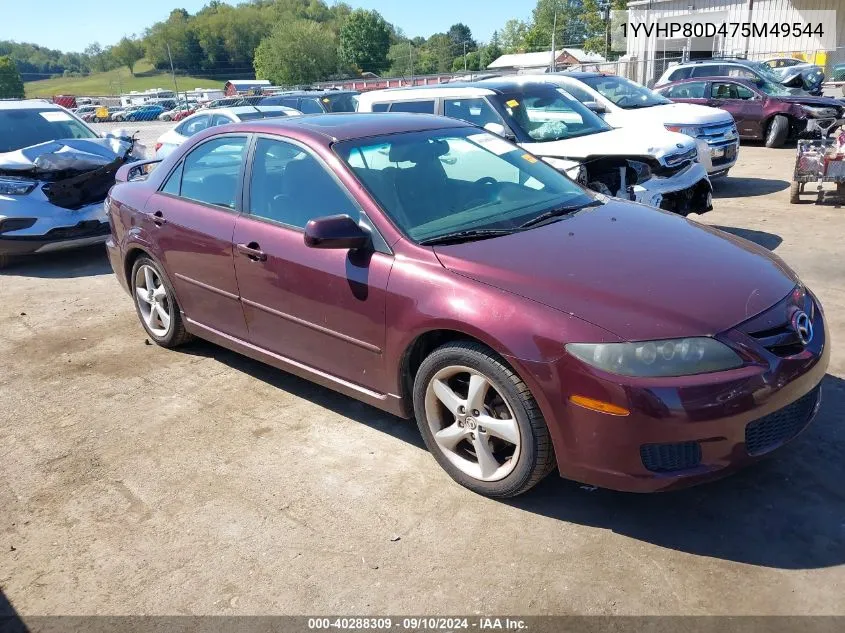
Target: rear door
point(192, 219)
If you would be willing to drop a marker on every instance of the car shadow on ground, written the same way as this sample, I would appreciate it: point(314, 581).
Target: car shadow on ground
point(405, 430)
point(785, 512)
point(82, 262)
point(10, 621)
point(766, 240)
point(732, 187)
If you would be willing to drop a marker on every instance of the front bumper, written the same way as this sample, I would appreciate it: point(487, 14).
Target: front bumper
point(681, 431)
point(717, 157)
point(54, 229)
point(688, 191)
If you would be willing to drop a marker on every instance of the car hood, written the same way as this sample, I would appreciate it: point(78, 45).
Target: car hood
point(638, 272)
point(650, 140)
point(680, 114)
point(823, 102)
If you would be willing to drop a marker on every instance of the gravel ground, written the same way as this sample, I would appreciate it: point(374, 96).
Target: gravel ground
point(139, 480)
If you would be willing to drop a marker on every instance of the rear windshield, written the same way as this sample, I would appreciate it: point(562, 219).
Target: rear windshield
point(22, 128)
point(252, 116)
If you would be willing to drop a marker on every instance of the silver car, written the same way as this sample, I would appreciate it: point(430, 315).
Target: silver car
point(55, 172)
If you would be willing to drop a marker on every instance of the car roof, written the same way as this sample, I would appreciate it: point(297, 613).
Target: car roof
point(458, 89)
point(311, 93)
point(28, 104)
point(716, 60)
point(343, 126)
point(693, 80)
point(580, 74)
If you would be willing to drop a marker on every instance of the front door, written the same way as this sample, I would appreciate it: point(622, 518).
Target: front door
point(745, 106)
point(322, 308)
point(192, 219)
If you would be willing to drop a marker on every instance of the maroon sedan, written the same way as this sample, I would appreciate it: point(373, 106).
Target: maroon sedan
point(763, 111)
point(434, 270)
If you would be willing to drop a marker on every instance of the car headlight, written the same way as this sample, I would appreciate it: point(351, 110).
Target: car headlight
point(820, 113)
point(689, 130)
point(15, 186)
point(674, 357)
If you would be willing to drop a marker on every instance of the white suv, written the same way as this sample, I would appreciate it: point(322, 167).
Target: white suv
point(625, 104)
point(652, 166)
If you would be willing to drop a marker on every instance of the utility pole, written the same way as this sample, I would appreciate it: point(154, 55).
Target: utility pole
point(411, 59)
point(172, 72)
point(465, 55)
point(553, 64)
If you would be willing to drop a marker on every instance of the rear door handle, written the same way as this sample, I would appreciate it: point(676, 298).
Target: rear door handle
point(252, 251)
point(158, 218)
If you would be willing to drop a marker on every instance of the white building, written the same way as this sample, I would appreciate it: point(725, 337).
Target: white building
point(651, 53)
point(540, 62)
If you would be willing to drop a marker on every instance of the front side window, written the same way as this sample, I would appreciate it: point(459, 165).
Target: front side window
point(549, 114)
point(425, 107)
point(708, 70)
point(22, 128)
point(438, 182)
point(725, 90)
point(211, 173)
point(475, 111)
point(578, 92)
point(174, 182)
point(309, 106)
point(288, 185)
point(692, 90)
point(623, 92)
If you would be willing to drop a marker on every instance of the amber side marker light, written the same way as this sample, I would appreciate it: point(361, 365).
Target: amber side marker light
point(598, 405)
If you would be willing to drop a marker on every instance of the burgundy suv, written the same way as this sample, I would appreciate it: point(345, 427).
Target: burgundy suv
point(429, 268)
point(762, 110)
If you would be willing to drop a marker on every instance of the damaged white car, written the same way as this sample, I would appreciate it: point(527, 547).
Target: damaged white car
point(55, 173)
point(652, 165)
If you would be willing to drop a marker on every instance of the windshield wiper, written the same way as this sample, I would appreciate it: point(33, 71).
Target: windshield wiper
point(466, 236)
point(558, 212)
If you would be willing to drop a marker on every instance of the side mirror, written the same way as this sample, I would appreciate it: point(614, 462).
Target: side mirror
point(335, 231)
point(595, 106)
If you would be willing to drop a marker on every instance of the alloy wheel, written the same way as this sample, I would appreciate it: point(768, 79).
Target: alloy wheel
point(472, 423)
point(153, 301)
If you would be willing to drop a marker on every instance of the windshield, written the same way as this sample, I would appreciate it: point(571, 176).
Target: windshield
point(346, 102)
point(624, 93)
point(25, 127)
point(765, 72)
point(775, 90)
point(439, 182)
point(549, 114)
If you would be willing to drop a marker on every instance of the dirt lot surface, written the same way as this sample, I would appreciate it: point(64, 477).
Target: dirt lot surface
point(139, 480)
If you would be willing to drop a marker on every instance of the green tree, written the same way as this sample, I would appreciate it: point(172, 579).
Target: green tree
point(127, 52)
point(11, 84)
point(472, 62)
point(514, 35)
point(461, 34)
point(491, 52)
point(365, 41)
point(297, 52)
point(401, 57)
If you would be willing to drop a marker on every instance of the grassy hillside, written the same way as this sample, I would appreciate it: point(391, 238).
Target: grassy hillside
point(116, 81)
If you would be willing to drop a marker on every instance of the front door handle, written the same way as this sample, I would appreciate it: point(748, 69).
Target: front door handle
point(158, 218)
point(252, 251)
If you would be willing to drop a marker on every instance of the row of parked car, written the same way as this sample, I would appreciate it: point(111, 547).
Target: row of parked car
point(469, 269)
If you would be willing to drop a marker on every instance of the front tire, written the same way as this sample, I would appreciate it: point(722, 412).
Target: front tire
point(480, 421)
point(778, 131)
point(156, 305)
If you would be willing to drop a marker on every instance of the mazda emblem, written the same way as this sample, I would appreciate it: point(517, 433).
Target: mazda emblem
point(803, 327)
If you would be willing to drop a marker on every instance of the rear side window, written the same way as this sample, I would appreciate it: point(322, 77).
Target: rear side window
point(680, 73)
point(220, 119)
point(380, 107)
point(290, 102)
point(425, 107)
point(708, 71)
point(192, 126)
point(693, 90)
point(211, 173)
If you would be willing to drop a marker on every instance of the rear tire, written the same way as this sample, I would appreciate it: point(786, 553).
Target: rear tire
point(777, 132)
point(159, 311)
point(509, 455)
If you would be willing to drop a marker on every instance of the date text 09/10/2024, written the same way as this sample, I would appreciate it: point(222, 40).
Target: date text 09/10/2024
point(418, 624)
